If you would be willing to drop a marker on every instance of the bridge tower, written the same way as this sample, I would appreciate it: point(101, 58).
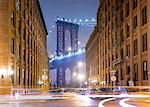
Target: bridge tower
point(65, 41)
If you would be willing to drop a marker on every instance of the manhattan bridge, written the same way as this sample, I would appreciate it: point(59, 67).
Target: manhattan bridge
point(68, 65)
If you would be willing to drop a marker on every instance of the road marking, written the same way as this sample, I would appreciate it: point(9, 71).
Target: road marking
point(101, 103)
point(124, 104)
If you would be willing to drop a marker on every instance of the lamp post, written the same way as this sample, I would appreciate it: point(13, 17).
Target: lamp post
point(44, 78)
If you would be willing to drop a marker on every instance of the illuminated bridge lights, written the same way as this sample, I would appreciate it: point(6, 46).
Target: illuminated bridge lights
point(70, 54)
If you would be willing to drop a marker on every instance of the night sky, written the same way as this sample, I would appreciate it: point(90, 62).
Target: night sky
point(69, 9)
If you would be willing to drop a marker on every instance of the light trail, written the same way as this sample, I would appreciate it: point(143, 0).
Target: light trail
point(124, 104)
point(119, 96)
point(101, 104)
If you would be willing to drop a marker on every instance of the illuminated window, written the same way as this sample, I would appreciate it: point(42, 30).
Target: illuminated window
point(18, 4)
point(136, 72)
point(13, 19)
point(145, 72)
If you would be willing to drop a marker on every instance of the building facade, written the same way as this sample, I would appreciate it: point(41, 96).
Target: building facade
point(124, 32)
point(23, 49)
point(92, 60)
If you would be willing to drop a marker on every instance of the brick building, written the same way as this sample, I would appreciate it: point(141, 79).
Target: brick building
point(23, 39)
point(123, 28)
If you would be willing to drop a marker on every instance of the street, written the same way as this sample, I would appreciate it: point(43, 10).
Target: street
point(69, 102)
point(73, 101)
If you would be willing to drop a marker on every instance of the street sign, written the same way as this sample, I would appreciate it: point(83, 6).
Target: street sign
point(113, 78)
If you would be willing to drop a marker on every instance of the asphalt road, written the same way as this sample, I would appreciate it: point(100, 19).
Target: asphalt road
point(69, 102)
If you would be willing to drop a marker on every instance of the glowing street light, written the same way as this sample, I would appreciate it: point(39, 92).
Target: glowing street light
point(74, 74)
point(3, 71)
point(69, 48)
point(78, 42)
point(80, 77)
point(80, 64)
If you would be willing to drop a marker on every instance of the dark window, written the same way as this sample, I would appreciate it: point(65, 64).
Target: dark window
point(23, 10)
point(122, 36)
point(121, 74)
point(144, 15)
point(19, 27)
point(19, 75)
point(136, 72)
point(13, 19)
point(122, 17)
point(145, 72)
point(24, 56)
point(112, 57)
point(135, 22)
point(13, 46)
point(122, 53)
point(24, 34)
point(19, 51)
point(135, 47)
point(127, 9)
point(144, 42)
point(128, 30)
point(128, 50)
point(135, 3)
point(128, 70)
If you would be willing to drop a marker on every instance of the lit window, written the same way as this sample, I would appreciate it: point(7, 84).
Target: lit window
point(13, 19)
point(145, 72)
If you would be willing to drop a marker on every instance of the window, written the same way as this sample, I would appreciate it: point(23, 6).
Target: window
point(128, 51)
point(135, 22)
point(122, 36)
point(121, 74)
point(145, 72)
point(127, 9)
point(24, 55)
point(19, 75)
point(18, 4)
point(23, 10)
point(19, 27)
point(13, 46)
point(19, 51)
point(121, 53)
point(122, 17)
point(135, 3)
point(135, 47)
point(128, 70)
point(13, 19)
point(136, 72)
point(12, 74)
point(144, 15)
point(144, 42)
point(24, 34)
point(128, 30)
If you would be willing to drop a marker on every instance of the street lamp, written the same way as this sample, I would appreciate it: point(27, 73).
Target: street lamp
point(80, 63)
point(80, 77)
point(3, 72)
point(74, 74)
